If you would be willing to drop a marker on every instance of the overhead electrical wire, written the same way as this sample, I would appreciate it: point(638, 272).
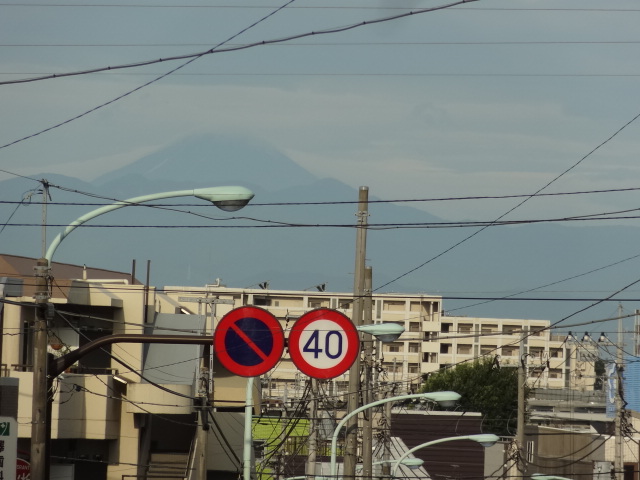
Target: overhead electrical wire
point(499, 218)
point(194, 56)
point(190, 60)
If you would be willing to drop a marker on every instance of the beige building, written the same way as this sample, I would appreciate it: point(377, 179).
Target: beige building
point(126, 410)
point(431, 341)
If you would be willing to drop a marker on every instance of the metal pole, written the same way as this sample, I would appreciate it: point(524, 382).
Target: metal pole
point(225, 198)
point(439, 397)
point(351, 445)
point(248, 441)
point(313, 430)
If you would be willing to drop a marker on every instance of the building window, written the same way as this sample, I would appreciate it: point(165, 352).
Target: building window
point(414, 348)
point(414, 368)
point(395, 347)
point(509, 351)
point(445, 327)
point(318, 303)
point(445, 348)
point(414, 326)
point(464, 349)
point(488, 328)
point(488, 349)
point(395, 306)
point(465, 327)
point(261, 301)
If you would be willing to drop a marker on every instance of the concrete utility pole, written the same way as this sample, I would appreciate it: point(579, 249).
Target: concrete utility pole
point(351, 443)
point(522, 381)
point(368, 392)
point(619, 461)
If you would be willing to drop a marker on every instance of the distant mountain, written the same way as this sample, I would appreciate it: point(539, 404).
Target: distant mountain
point(210, 160)
point(284, 238)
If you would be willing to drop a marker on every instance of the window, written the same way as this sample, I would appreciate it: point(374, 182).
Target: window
point(414, 326)
point(445, 327)
point(414, 348)
point(414, 368)
point(465, 327)
point(395, 347)
point(395, 306)
point(489, 328)
point(445, 348)
point(464, 349)
point(488, 349)
point(509, 351)
point(318, 303)
point(261, 301)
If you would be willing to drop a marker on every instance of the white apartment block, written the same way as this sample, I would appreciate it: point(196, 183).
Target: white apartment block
point(431, 341)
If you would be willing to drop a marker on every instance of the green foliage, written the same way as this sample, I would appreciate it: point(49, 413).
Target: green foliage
point(486, 388)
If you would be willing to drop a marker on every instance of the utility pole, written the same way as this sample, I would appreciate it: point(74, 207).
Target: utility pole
point(522, 381)
point(351, 443)
point(368, 392)
point(619, 462)
point(41, 404)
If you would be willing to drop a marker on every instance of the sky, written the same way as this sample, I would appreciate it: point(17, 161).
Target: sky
point(491, 97)
point(485, 98)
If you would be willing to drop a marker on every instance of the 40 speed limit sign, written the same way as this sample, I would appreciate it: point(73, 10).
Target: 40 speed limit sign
point(323, 343)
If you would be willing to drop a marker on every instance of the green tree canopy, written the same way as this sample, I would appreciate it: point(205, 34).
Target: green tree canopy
point(485, 387)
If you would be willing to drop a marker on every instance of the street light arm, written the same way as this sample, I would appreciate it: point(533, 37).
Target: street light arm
point(226, 198)
point(433, 396)
point(485, 439)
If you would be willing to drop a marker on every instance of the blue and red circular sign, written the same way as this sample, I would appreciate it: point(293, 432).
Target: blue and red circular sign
point(248, 341)
point(324, 343)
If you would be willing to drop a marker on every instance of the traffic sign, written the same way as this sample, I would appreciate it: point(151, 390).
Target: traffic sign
point(323, 343)
point(248, 341)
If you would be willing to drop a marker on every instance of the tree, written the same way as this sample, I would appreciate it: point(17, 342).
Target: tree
point(484, 387)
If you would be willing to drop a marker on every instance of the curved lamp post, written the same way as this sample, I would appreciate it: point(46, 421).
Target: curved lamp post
point(226, 198)
point(484, 439)
point(445, 399)
point(385, 332)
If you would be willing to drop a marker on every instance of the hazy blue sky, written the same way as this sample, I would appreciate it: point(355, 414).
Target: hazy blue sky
point(493, 97)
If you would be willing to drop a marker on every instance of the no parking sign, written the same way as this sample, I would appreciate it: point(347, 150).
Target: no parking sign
point(248, 341)
point(323, 343)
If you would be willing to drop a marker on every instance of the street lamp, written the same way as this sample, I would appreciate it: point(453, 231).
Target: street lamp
point(484, 439)
point(445, 399)
point(384, 332)
point(226, 198)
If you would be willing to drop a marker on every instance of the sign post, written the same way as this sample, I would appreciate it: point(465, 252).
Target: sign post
point(324, 343)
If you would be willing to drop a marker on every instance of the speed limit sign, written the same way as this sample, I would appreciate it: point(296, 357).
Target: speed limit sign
point(323, 343)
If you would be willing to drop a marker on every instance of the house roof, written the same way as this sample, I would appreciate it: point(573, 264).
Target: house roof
point(16, 270)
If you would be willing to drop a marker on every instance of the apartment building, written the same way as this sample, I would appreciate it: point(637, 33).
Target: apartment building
point(431, 341)
point(126, 410)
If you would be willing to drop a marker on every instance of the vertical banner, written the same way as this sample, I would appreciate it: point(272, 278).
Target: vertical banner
point(8, 448)
point(612, 386)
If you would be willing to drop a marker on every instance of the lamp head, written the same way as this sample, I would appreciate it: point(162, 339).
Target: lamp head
point(444, 399)
point(485, 439)
point(385, 332)
point(228, 199)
